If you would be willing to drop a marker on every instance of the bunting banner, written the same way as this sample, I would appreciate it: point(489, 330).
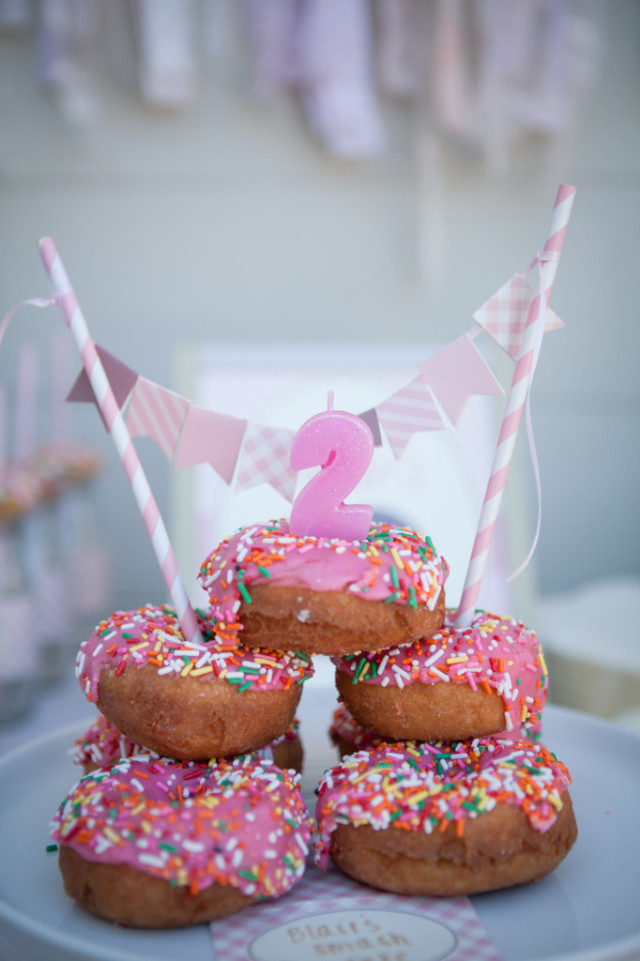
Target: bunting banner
point(257, 453)
point(409, 410)
point(156, 412)
point(455, 373)
point(212, 438)
point(504, 315)
point(264, 459)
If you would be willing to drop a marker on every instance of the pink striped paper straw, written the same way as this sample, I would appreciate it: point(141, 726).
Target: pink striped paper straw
point(124, 445)
point(529, 344)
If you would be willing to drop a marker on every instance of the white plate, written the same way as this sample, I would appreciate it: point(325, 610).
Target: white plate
point(588, 910)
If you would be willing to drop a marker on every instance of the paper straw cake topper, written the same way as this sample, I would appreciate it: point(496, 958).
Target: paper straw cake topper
point(117, 428)
point(341, 444)
point(246, 453)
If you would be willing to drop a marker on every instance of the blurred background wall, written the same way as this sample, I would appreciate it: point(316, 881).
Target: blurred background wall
point(211, 210)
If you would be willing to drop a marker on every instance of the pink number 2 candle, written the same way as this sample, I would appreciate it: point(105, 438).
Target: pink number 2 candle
point(342, 445)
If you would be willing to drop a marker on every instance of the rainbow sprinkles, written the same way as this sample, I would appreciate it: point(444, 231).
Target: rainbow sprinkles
point(391, 564)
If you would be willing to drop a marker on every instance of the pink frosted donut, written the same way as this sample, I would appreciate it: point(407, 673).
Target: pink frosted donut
point(186, 700)
point(67, 463)
point(325, 596)
point(446, 818)
point(21, 490)
point(489, 678)
point(152, 843)
point(102, 743)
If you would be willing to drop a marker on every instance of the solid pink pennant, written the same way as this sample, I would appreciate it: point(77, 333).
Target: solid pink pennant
point(121, 378)
point(264, 458)
point(504, 315)
point(212, 438)
point(371, 420)
point(455, 373)
point(158, 413)
point(406, 412)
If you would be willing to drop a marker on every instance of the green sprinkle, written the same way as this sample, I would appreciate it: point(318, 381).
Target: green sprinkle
point(245, 686)
point(264, 571)
point(51, 847)
point(392, 597)
point(361, 664)
point(244, 592)
point(412, 597)
point(394, 577)
point(167, 847)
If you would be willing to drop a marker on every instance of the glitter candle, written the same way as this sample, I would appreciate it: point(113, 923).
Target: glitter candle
point(342, 445)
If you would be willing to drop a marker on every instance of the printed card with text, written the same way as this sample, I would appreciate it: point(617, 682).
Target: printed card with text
point(327, 915)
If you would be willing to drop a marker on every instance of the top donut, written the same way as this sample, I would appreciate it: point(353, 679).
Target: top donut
point(325, 596)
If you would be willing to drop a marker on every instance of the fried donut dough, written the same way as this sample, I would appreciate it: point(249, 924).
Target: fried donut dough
point(490, 678)
point(446, 819)
point(185, 700)
point(325, 596)
point(152, 843)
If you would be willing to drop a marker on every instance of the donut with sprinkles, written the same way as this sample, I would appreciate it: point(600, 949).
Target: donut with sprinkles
point(325, 596)
point(102, 743)
point(490, 678)
point(186, 700)
point(348, 736)
point(446, 818)
point(160, 844)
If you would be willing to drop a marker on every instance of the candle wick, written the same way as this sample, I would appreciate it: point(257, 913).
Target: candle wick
point(330, 400)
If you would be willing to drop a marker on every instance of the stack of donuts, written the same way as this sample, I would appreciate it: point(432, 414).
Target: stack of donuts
point(442, 788)
point(190, 807)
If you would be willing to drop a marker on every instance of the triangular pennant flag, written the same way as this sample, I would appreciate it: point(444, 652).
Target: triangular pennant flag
point(158, 413)
point(371, 420)
point(121, 378)
point(455, 373)
point(212, 438)
point(406, 412)
point(264, 458)
point(504, 315)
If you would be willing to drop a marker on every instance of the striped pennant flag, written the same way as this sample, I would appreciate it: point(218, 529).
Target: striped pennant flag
point(156, 412)
point(408, 411)
point(504, 315)
point(264, 459)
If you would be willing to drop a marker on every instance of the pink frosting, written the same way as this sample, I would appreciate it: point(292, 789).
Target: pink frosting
point(102, 743)
point(390, 564)
point(495, 654)
point(152, 635)
point(424, 786)
point(240, 821)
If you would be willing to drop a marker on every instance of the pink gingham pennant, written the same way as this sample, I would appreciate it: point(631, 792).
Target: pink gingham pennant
point(504, 315)
point(156, 412)
point(264, 459)
point(409, 410)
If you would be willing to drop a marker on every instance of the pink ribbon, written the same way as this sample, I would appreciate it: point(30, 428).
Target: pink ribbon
point(32, 302)
point(541, 258)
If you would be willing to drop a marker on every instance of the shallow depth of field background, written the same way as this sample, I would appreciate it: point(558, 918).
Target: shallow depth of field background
point(227, 222)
